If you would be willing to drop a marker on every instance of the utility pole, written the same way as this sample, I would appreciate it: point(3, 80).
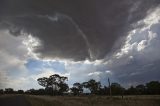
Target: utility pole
point(110, 91)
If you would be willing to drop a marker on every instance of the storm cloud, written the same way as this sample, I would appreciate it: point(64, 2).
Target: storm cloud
point(75, 30)
point(91, 39)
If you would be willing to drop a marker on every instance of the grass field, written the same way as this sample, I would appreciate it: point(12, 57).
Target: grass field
point(94, 101)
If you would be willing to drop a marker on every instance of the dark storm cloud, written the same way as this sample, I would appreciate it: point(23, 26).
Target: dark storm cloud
point(137, 72)
point(59, 36)
point(82, 29)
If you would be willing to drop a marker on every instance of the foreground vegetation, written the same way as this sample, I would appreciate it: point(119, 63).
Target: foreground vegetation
point(94, 100)
point(58, 93)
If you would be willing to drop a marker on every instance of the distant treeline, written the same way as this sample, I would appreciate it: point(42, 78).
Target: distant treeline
point(56, 85)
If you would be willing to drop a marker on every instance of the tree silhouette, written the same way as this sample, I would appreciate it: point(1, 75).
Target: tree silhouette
point(92, 85)
point(9, 91)
point(43, 81)
point(117, 89)
point(140, 89)
point(20, 92)
point(104, 91)
point(55, 84)
point(153, 87)
point(1, 91)
point(77, 88)
point(131, 91)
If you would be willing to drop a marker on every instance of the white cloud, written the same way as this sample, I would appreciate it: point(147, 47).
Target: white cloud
point(95, 73)
point(141, 48)
point(14, 56)
point(108, 72)
point(31, 43)
point(141, 42)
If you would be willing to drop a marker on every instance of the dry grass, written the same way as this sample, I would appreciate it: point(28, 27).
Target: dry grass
point(7, 95)
point(94, 101)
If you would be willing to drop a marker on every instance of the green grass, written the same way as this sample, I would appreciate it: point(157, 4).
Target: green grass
point(93, 101)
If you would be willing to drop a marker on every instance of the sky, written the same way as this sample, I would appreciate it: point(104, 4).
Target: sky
point(82, 40)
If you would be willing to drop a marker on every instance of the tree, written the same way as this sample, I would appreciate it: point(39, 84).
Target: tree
point(77, 88)
point(63, 88)
point(1, 91)
point(20, 92)
point(153, 87)
point(131, 91)
point(104, 91)
point(31, 91)
point(58, 83)
point(93, 86)
point(41, 92)
point(141, 89)
point(117, 89)
point(9, 90)
point(43, 81)
point(55, 84)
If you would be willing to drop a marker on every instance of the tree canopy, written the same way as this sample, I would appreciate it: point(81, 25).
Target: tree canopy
point(55, 84)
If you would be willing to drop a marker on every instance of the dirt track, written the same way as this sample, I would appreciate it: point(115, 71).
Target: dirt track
point(17, 100)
